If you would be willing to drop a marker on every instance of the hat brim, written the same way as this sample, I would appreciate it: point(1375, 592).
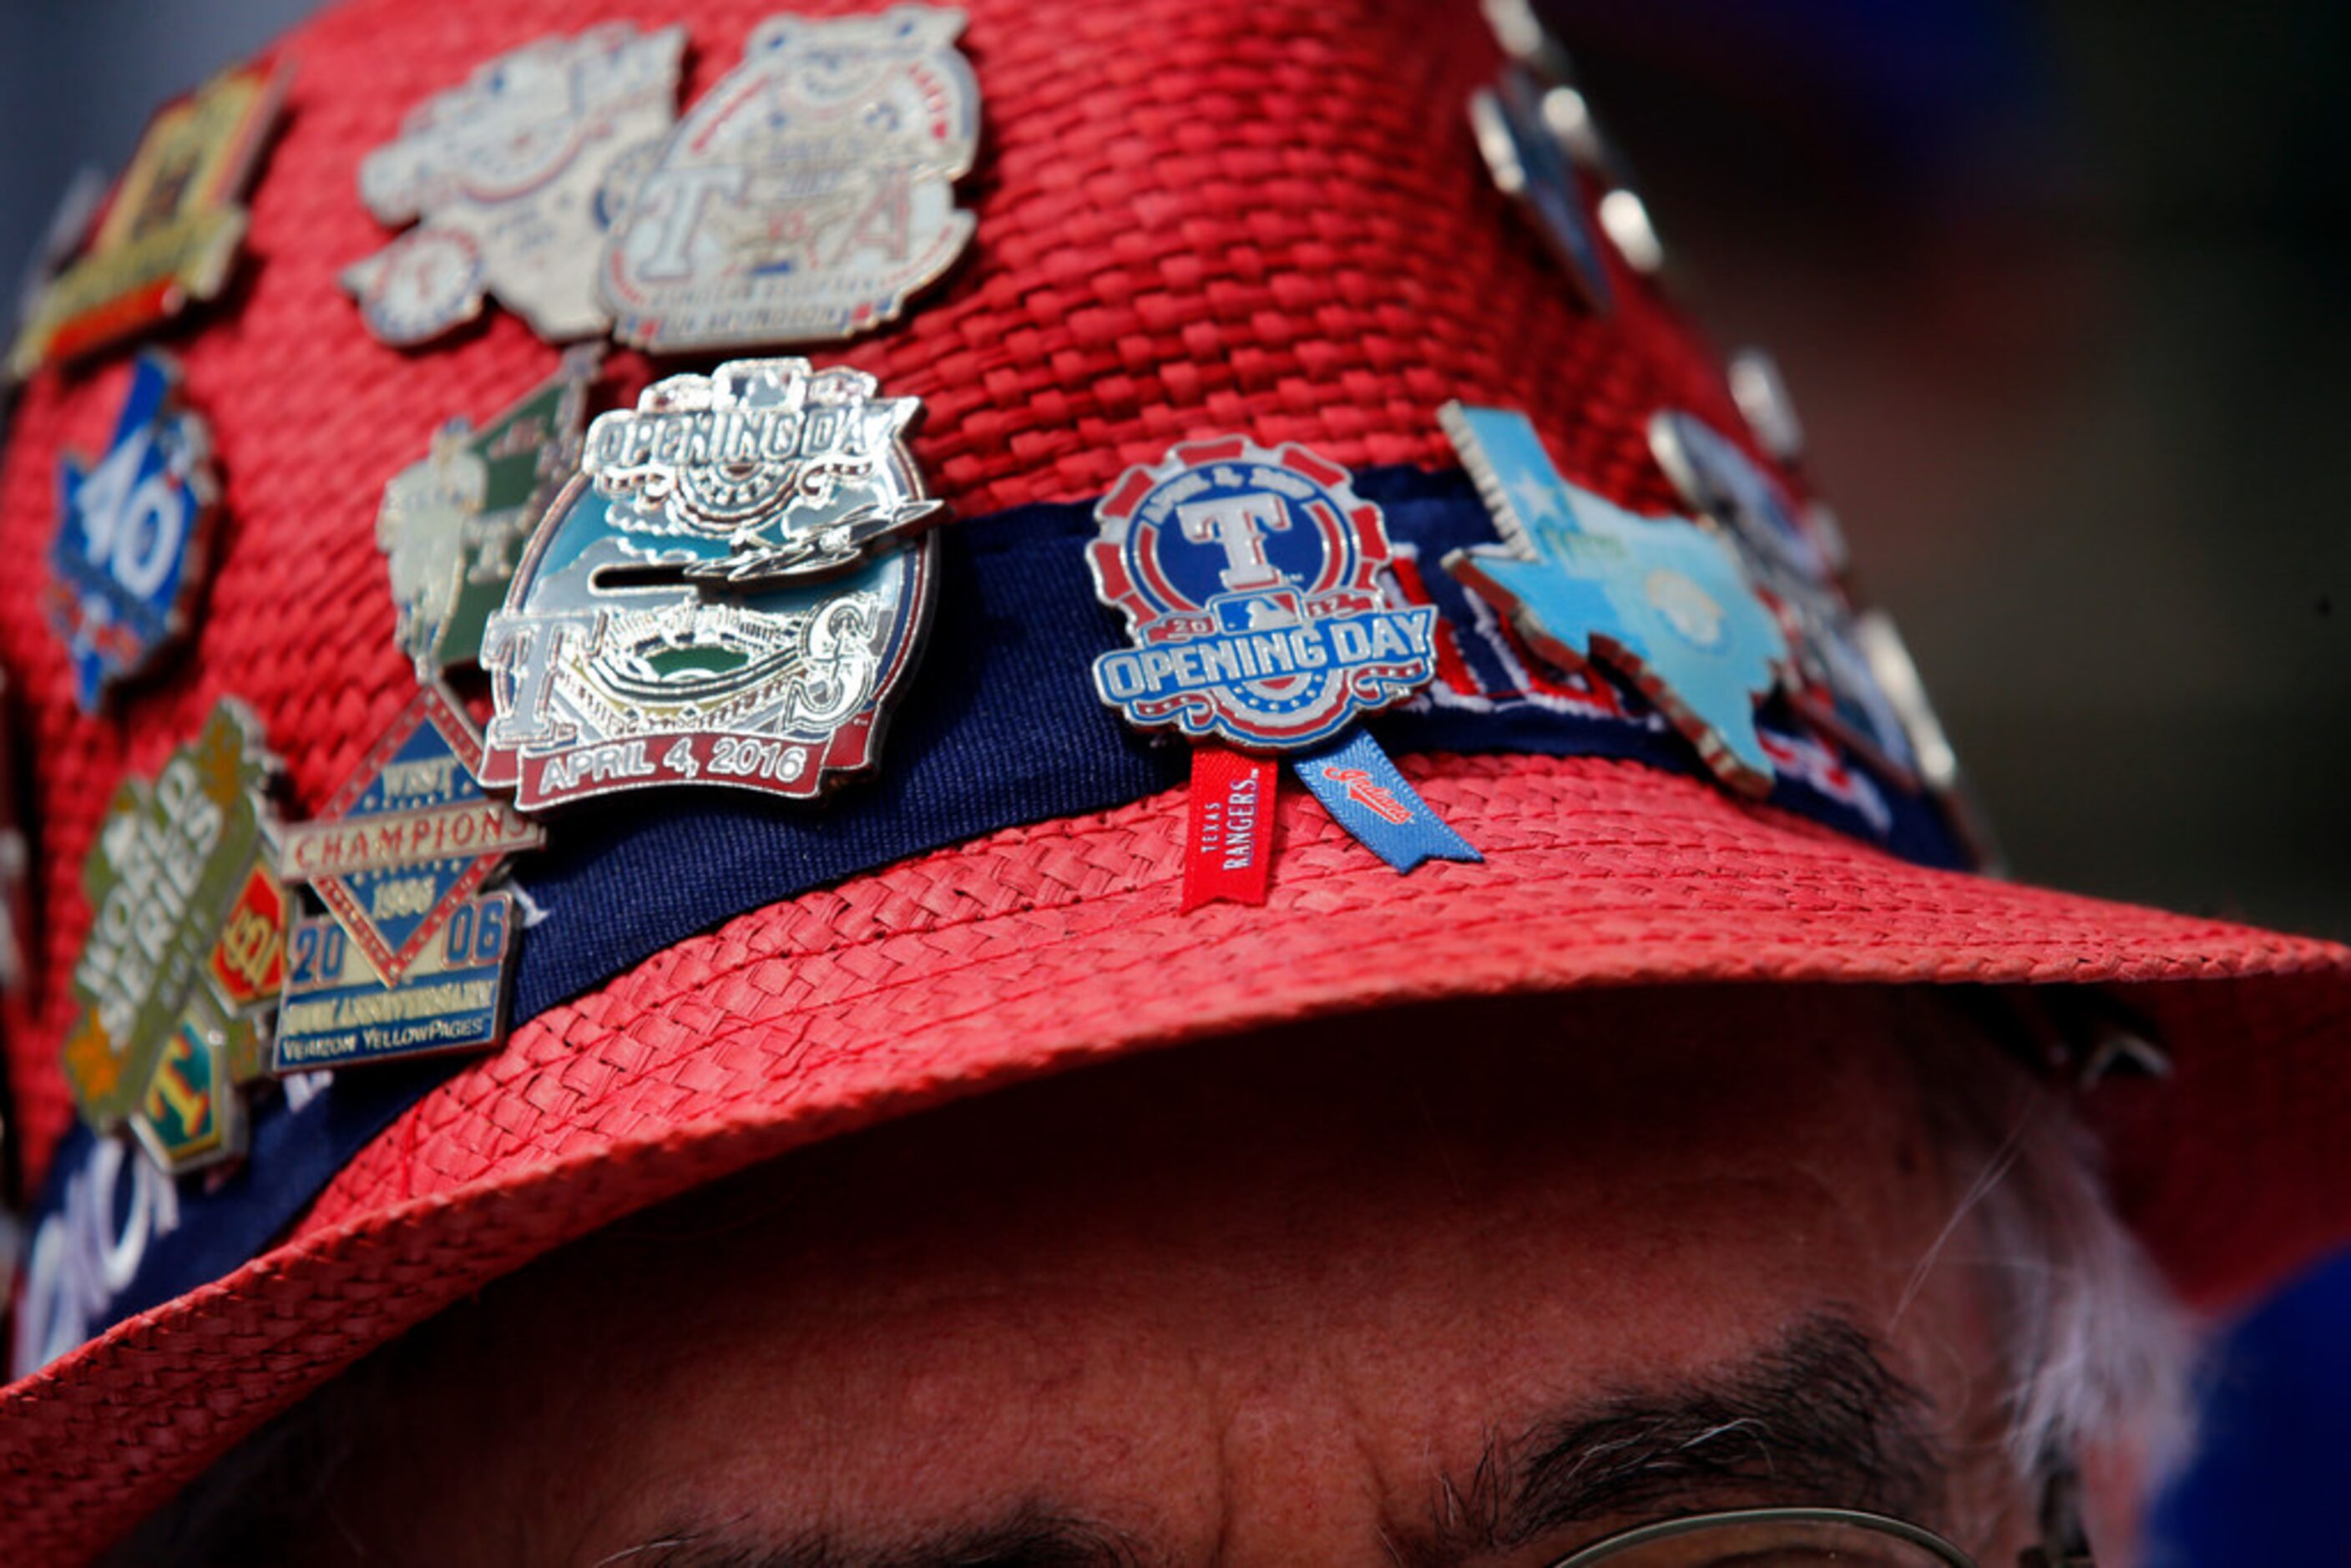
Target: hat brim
point(1046, 947)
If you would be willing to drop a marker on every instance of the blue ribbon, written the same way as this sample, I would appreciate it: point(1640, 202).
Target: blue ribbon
point(1366, 795)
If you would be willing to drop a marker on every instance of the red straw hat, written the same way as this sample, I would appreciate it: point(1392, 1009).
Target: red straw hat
point(1196, 217)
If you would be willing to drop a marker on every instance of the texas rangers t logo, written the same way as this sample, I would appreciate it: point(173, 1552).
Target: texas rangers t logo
point(1249, 580)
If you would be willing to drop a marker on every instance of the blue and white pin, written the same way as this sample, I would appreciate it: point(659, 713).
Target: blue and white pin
point(413, 956)
point(1252, 584)
point(133, 531)
point(1662, 602)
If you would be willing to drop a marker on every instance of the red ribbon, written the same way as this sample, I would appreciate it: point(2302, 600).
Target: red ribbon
point(1229, 849)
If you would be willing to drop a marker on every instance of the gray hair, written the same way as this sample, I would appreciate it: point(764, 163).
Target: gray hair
point(2099, 1354)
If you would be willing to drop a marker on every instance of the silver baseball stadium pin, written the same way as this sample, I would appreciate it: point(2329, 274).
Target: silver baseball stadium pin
point(729, 592)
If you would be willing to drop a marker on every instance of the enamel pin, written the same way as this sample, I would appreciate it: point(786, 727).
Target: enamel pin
point(338, 1012)
point(413, 958)
point(512, 178)
point(1251, 584)
point(170, 232)
point(1661, 601)
point(729, 592)
point(193, 1113)
point(1529, 166)
point(1795, 565)
point(1896, 676)
point(133, 535)
point(807, 194)
point(15, 860)
point(177, 973)
point(77, 207)
point(1559, 106)
point(409, 837)
point(1762, 394)
point(1249, 580)
point(452, 523)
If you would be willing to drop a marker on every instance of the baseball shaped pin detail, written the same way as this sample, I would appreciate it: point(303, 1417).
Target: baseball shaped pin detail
point(809, 194)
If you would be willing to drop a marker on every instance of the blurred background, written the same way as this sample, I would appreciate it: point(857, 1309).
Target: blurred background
point(2061, 293)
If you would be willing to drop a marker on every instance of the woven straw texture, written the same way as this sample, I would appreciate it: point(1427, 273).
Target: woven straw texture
point(1041, 948)
point(1195, 215)
point(1269, 219)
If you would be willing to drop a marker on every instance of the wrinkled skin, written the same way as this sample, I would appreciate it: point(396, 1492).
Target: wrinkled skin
point(1273, 1301)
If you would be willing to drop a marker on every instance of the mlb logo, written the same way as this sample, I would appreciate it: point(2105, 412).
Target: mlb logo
point(1257, 611)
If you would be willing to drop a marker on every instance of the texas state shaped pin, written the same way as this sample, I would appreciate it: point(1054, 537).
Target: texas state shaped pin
point(1661, 601)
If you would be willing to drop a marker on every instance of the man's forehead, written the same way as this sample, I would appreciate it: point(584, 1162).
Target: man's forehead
point(1355, 1253)
point(1814, 1415)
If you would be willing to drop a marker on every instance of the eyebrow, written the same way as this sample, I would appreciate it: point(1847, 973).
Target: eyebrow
point(1817, 1418)
point(1026, 1538)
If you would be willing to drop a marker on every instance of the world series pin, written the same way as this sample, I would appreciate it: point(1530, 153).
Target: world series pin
point(133, 535)
point(451, 525)
point(1661, 601)
point(171, 233)
point(809, 193)
point(512, 178)
point(177, 974)
point(1250, 583)
point(193, 1114)
point(729, 592)
point(413, 960)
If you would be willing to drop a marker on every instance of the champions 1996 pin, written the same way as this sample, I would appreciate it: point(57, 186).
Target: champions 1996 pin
point(413, 958)
point(452, 523)
point(133, 535)
point(730, 592)
point(173, 228)
point(180, 968)
point(807, 194)
point(512, 178)
point(1251, 582)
